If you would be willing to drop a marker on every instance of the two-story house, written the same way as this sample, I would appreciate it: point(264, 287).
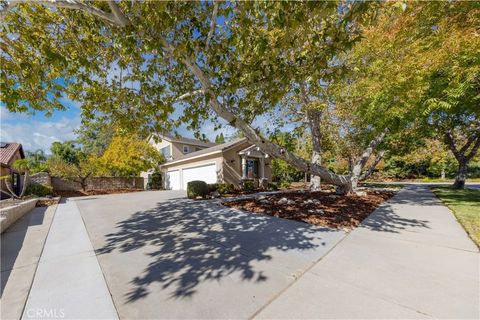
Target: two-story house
point(190, 159)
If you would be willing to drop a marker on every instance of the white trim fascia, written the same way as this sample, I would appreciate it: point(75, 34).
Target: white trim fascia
point(191, 158)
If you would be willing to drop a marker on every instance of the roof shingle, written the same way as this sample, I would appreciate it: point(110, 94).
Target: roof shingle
point(8, 151)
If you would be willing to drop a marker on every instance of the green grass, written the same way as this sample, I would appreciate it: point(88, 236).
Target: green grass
point(383, 185)
point(446, 180)
point(465, 204)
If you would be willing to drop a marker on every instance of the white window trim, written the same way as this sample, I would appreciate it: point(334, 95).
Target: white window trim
point(188, 149)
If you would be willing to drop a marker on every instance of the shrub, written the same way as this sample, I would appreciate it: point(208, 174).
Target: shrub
point(285, 184)
point(272, 186)
point(197, 189)
point(155, 182)
point(212, 187)
point(224, 188)
point(248, 185)
point(38, 190)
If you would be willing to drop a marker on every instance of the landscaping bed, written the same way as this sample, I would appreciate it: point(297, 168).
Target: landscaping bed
point(79, 193)
point(318, 208)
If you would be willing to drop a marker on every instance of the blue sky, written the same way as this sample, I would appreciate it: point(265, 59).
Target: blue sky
point(38, 132)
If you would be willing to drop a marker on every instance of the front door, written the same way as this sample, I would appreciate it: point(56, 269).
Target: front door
point(252, 168)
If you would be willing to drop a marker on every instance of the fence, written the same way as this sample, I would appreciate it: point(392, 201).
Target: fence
point(99, 183)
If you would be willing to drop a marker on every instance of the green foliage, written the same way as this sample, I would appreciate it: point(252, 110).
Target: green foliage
point(77, 172)
point(212, 187)
point(37, 161)
point(281, 170)
point(225, 188)
point(128, 156)
point(197, 189)
point(67, 152)
point(38, 190)
point(248, 186)
point(285, 184)
point(155, 182)
point(219, 138)
point(273, 186)
point(95, 135)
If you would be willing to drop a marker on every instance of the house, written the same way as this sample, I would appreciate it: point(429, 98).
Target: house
point(9, 153)
point(230, 162)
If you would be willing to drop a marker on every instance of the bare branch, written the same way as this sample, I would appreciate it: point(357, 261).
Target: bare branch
point(121, 18)
point(189, 94)
point(212, 24)
point(374, 164)
point(77, 5)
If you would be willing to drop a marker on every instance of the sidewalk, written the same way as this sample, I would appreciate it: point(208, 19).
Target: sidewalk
point(68, 282)
point(410, 259)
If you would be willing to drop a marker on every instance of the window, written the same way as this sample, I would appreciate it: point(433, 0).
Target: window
point(166, 152)
point(185, 149)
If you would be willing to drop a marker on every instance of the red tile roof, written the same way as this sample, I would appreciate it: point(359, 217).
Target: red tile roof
point(8, 151)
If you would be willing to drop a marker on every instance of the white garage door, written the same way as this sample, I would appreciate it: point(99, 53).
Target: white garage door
point(172, 180)
point(207, 173)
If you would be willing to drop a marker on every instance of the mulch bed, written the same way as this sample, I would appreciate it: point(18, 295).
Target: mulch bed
point(318, 208)
point(78, 193)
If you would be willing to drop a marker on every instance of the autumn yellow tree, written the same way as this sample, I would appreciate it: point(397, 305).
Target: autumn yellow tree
point(128, 156)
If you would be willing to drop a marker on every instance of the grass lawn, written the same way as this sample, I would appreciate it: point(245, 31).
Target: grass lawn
point(465, 204)
point(446, 180)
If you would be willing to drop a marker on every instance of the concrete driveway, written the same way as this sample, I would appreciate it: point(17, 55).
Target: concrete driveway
point(164, 256)
point(158, 255)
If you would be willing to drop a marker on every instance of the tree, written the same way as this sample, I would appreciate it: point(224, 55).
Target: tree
point(128, 156)
point(66, 152)
point(428, 54)
point(94, 135)
point(162, 54)
point(36, 161)
point(76, 172)
point(219, 138)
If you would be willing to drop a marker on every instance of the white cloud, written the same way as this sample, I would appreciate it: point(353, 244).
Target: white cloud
point(34, 134)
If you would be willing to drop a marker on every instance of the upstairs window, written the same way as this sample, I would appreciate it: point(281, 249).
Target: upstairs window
point(185, 149)
point(166, 152)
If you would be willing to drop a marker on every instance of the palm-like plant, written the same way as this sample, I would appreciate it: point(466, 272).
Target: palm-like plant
point(20, 165)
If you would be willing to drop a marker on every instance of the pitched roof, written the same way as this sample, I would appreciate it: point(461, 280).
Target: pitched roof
point(216, 148)
point(8, 151)
point(181, 139)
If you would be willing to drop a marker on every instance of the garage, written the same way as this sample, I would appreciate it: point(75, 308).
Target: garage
point(172, 180)
point(207, 173)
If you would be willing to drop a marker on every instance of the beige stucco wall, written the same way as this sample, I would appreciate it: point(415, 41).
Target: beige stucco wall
point(176, 148)
point(228, 164)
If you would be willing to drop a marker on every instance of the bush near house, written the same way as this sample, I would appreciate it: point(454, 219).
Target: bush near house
point(212, 187)
point(197, 188)
point(248, 185)
point(224, 188)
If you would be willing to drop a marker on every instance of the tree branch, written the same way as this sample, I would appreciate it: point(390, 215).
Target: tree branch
point(119, 16)
point(474, 150)
point(189, 94)
point(212, 24)
point(116, 18)
point(451, 144)
point(372, 167)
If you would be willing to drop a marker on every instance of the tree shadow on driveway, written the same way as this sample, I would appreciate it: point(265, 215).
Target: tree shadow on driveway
point(191, 242)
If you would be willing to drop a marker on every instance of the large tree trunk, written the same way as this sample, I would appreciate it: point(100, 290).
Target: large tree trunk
point(356, 172)
point(461, 175)
point(462, 155)
point(314, 118)
point(254, 137)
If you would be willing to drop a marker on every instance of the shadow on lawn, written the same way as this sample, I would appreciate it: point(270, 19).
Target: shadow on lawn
point(191, 242)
